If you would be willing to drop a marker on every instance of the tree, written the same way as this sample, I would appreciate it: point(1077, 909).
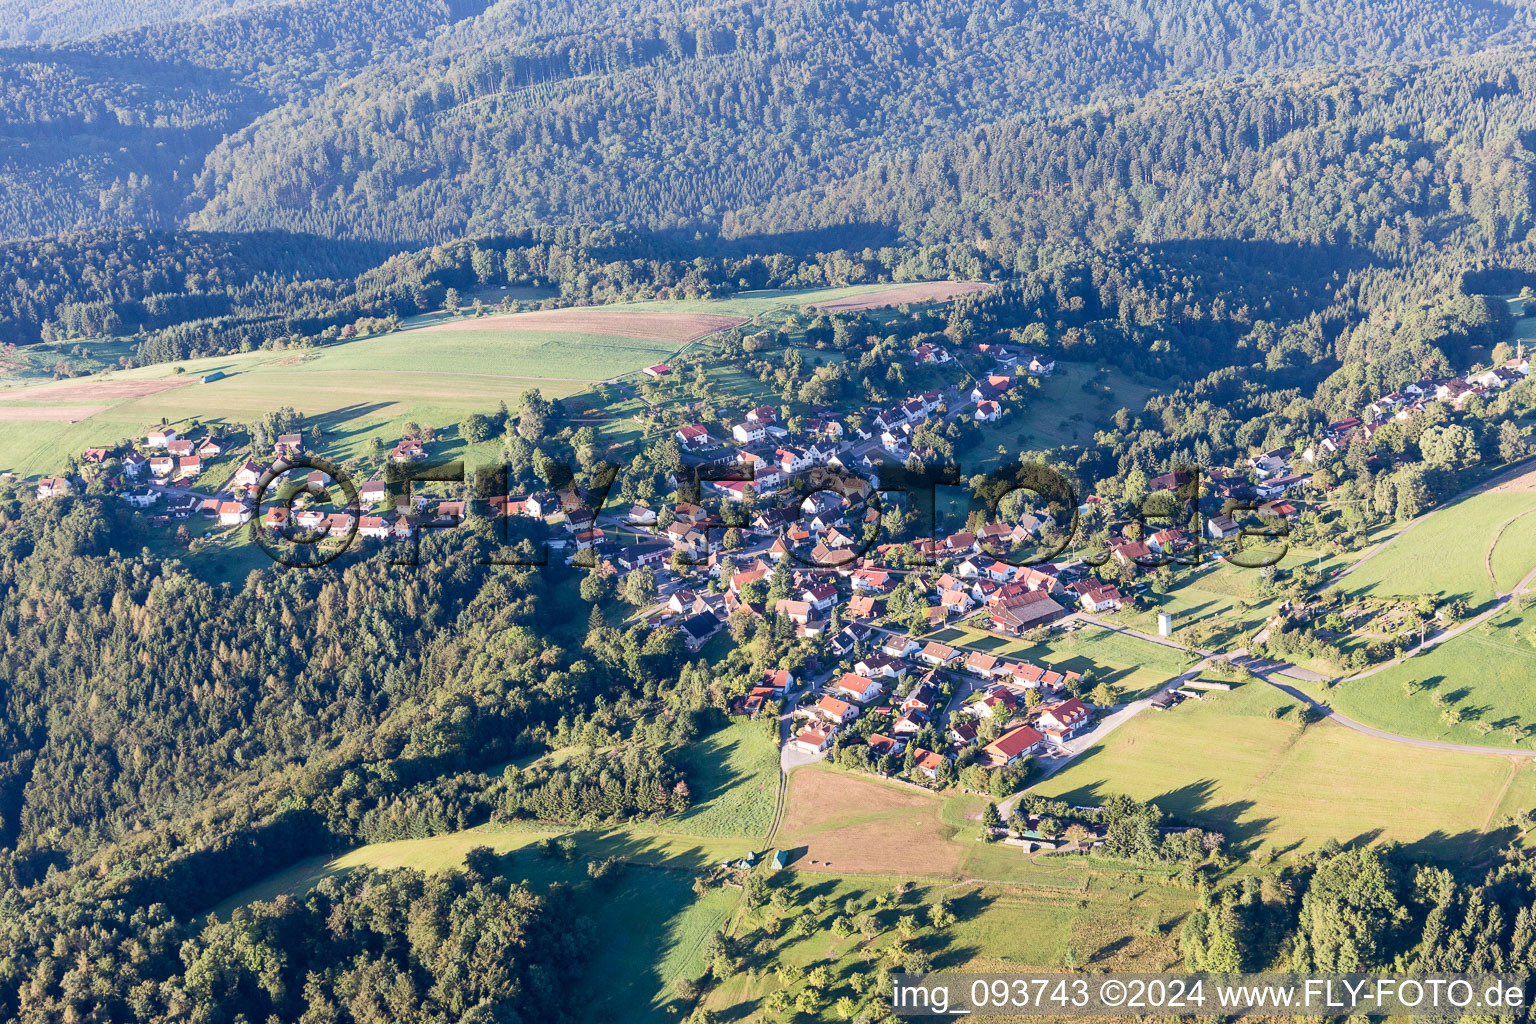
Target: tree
point(990, 817)
point(451, 302)
point(640, 587)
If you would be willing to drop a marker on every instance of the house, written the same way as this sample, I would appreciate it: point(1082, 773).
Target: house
point(542, 504)
point(863, 607)
point(159, 438)
point(179, 447)
point(450, 513)
point(211, 448)
point(1024, 612)
point(694, 437)
point(983, 665)
point(797, 612)
point(937, 654)
point(339, 524)
point(233, 513)
point(838, 712)
point(1011, 746)
point(1222, 527)
point(52, 487)
point(162, 466)
point(997, 701)
point(374, 527)
point(407, 451)
point(926, 763)
point(373, 492)
point(987, 411)
point(881, 666)
point(885, 746)
point(639, 515)
point(248, 475)
point(143, 500)
point(1093, 596)
point(778, 680)
point(956, 602)
point(820, 597)
point(276, 518)
point(289, 444)
point(1037, 365)
point(930, 354)
point(860, 688)
point(95, 456)
point(748, 433)
point(1063, 720)
point(134, 464)
point(849, 639)
point(909, 724)
point(639, 555)
point(188, 467)
point(813, 739)
point(898, 645)
point(1131, 552)
point(962, 734)
point(657, 371)
point(697, 629)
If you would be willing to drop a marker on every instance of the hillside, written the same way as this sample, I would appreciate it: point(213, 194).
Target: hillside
point(426, 122)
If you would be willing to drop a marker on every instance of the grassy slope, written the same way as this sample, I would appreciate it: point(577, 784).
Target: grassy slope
point(1489, 673)
point(1226, 764)
point(735, 774)
point(1447, 553)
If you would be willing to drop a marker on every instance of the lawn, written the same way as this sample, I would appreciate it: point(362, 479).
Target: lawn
point(734, 774)
point(1489, 674)
point(1225, 764)
point(1447, 553)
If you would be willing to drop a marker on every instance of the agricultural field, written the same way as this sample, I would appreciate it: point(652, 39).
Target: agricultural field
point(356, 390)
point(1449, 552)
point(1226, 764)
point(1488, 675)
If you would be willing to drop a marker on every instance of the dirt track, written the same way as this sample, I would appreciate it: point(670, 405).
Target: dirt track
point(673, 327)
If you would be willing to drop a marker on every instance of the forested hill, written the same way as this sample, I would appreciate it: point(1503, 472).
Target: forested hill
point(430, 121)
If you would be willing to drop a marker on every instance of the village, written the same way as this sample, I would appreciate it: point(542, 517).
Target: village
point(795, 512)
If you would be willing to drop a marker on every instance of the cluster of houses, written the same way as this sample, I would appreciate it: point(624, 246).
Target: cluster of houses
point(877, 683)
point(1401, 406)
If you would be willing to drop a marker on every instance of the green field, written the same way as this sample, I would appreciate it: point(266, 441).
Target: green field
point(355, 390)
point(1447, 553)
point(1488, 673)
point(735, 775)
point(1225, 764)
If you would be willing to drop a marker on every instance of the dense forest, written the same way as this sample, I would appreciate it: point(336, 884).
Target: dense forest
point(435, 121)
